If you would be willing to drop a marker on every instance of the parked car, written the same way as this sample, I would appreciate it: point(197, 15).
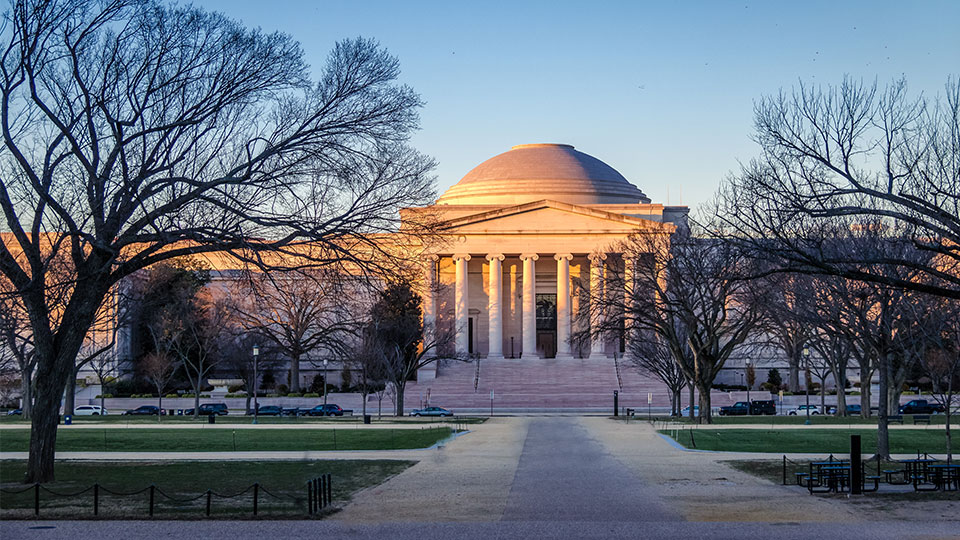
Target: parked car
point(330, 409)
point(431, 411)
point(145, 410)
point(293, 411)
point(90, 410)
point(686, 411)
point(763, 406)
point(268, 410)
point(206, 409)
point(920, 406)
point(854, 409)
point(740, 408)
point(802, 410)
point(15, 412)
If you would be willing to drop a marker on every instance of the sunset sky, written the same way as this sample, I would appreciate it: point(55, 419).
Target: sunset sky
point(663, 92)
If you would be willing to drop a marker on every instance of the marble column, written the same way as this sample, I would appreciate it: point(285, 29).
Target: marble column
point(563, 305)
point(529, 307)
point(430, 304)
point(461, 305)
point(494, 306)
point(597, 311)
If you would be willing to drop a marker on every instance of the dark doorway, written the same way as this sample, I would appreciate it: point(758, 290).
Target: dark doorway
point(547, 325)
point(470, 335)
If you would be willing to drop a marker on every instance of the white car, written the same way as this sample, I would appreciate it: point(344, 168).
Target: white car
point(90, 410)
point(802, 410)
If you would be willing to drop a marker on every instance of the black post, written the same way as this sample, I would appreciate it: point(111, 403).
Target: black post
point(208, 503)
point(152, 489)
point(616, 403)
point(256, 496)
point(784, 470)
point(309, 497)
point(36, 499)
point(323, 491)
point(96, 499)
point(329, 489)
point(856, 482)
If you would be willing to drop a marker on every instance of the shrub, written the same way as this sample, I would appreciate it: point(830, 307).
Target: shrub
point(294, 394)
point(234, 388)
point(316, 386)
point(273, 395)
point(104, 396)
point(234, 395)
point(311, 394)
point(774, 378)
point(171, 395)
point(768, 387)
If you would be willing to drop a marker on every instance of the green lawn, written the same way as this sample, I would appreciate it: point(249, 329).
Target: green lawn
point(119, 419)
point(283, 487)
point(902, 441)
point(228, 440)
point(936, 419)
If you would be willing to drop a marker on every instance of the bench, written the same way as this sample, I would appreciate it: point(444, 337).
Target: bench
point(895, 419)
point(631, 412)
point(801, 476)
point(921, 419)
point(874, 479)
point(889, 474)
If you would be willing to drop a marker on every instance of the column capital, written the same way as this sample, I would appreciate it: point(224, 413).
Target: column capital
point(492, 256)
point(562, 256)
point(597, 257)
point(532, 256)
point(461, 256)
point(430, 257)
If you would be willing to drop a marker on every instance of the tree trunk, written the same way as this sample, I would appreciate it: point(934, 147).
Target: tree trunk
point(196, 402)
point(705, 417)
point(793, 377)
point(823, 391)
point(159, 404)
point(70, 395)
point(883, 432)
point(865, 392)
point(691, 395)
point(363, 396)
point(399, 389)
point(841, 402)
point(26, 394)
point(295, 374)
point(53, 371)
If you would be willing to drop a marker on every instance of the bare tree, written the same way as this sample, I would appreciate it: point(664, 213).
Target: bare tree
point(136, 131)
point(853, 154)
point(159, 369)
point(650, 354)
point(665, 279)
point(300, 312)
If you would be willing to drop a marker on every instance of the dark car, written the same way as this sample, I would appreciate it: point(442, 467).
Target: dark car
point(145, 410)
point(330, 409)
point(740, 408)
point(920, 406)
point(268, 410)
point(854, 410)
point(15, 412)
point(206, 409)
point(766, 407)
point(293, 411)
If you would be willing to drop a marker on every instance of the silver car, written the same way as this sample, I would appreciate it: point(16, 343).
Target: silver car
point(431, 411)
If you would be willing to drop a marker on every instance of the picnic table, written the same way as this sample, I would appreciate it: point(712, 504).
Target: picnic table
point(826, 476)
point(945, 476)
point(916, 470)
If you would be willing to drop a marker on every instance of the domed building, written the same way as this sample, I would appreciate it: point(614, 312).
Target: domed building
point(523, 232)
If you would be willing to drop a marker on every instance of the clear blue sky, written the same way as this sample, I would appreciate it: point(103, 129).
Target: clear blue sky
point(663, 92)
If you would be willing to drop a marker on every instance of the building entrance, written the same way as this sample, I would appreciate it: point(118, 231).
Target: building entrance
point(547, 325)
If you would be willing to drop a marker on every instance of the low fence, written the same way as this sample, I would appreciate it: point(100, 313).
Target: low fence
point(319, 495)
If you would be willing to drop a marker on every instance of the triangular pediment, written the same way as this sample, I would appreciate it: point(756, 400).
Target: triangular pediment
point(550, 216)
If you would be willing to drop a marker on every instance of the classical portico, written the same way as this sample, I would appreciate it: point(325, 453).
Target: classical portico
point(528, 237)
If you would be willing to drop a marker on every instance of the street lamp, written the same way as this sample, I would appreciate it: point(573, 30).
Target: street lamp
point(324, 385)
point(256, 405)
point(748, 382)
point(806, 380)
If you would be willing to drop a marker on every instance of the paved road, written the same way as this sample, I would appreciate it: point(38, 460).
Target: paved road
point(566, 475)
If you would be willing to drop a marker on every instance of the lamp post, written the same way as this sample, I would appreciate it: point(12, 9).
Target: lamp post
point(806, 380)
point(748, 383)
point(256, 405)
point(324, 385)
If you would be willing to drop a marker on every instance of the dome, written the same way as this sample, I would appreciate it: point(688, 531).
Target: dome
point(532, 172)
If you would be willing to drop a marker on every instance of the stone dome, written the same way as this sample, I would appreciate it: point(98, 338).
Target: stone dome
point(532, 172)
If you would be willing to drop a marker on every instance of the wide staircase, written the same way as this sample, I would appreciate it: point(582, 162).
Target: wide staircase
point(544, 384)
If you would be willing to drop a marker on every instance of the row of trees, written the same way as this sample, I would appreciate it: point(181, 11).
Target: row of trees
point(840, 241)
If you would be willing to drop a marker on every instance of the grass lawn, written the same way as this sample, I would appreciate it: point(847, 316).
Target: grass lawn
point(936, 419)
point(228, 440)
point(282, 487)
point(902, 441)
point(241, 419)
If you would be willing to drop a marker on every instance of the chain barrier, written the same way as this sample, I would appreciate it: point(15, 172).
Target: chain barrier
point(319, 495)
